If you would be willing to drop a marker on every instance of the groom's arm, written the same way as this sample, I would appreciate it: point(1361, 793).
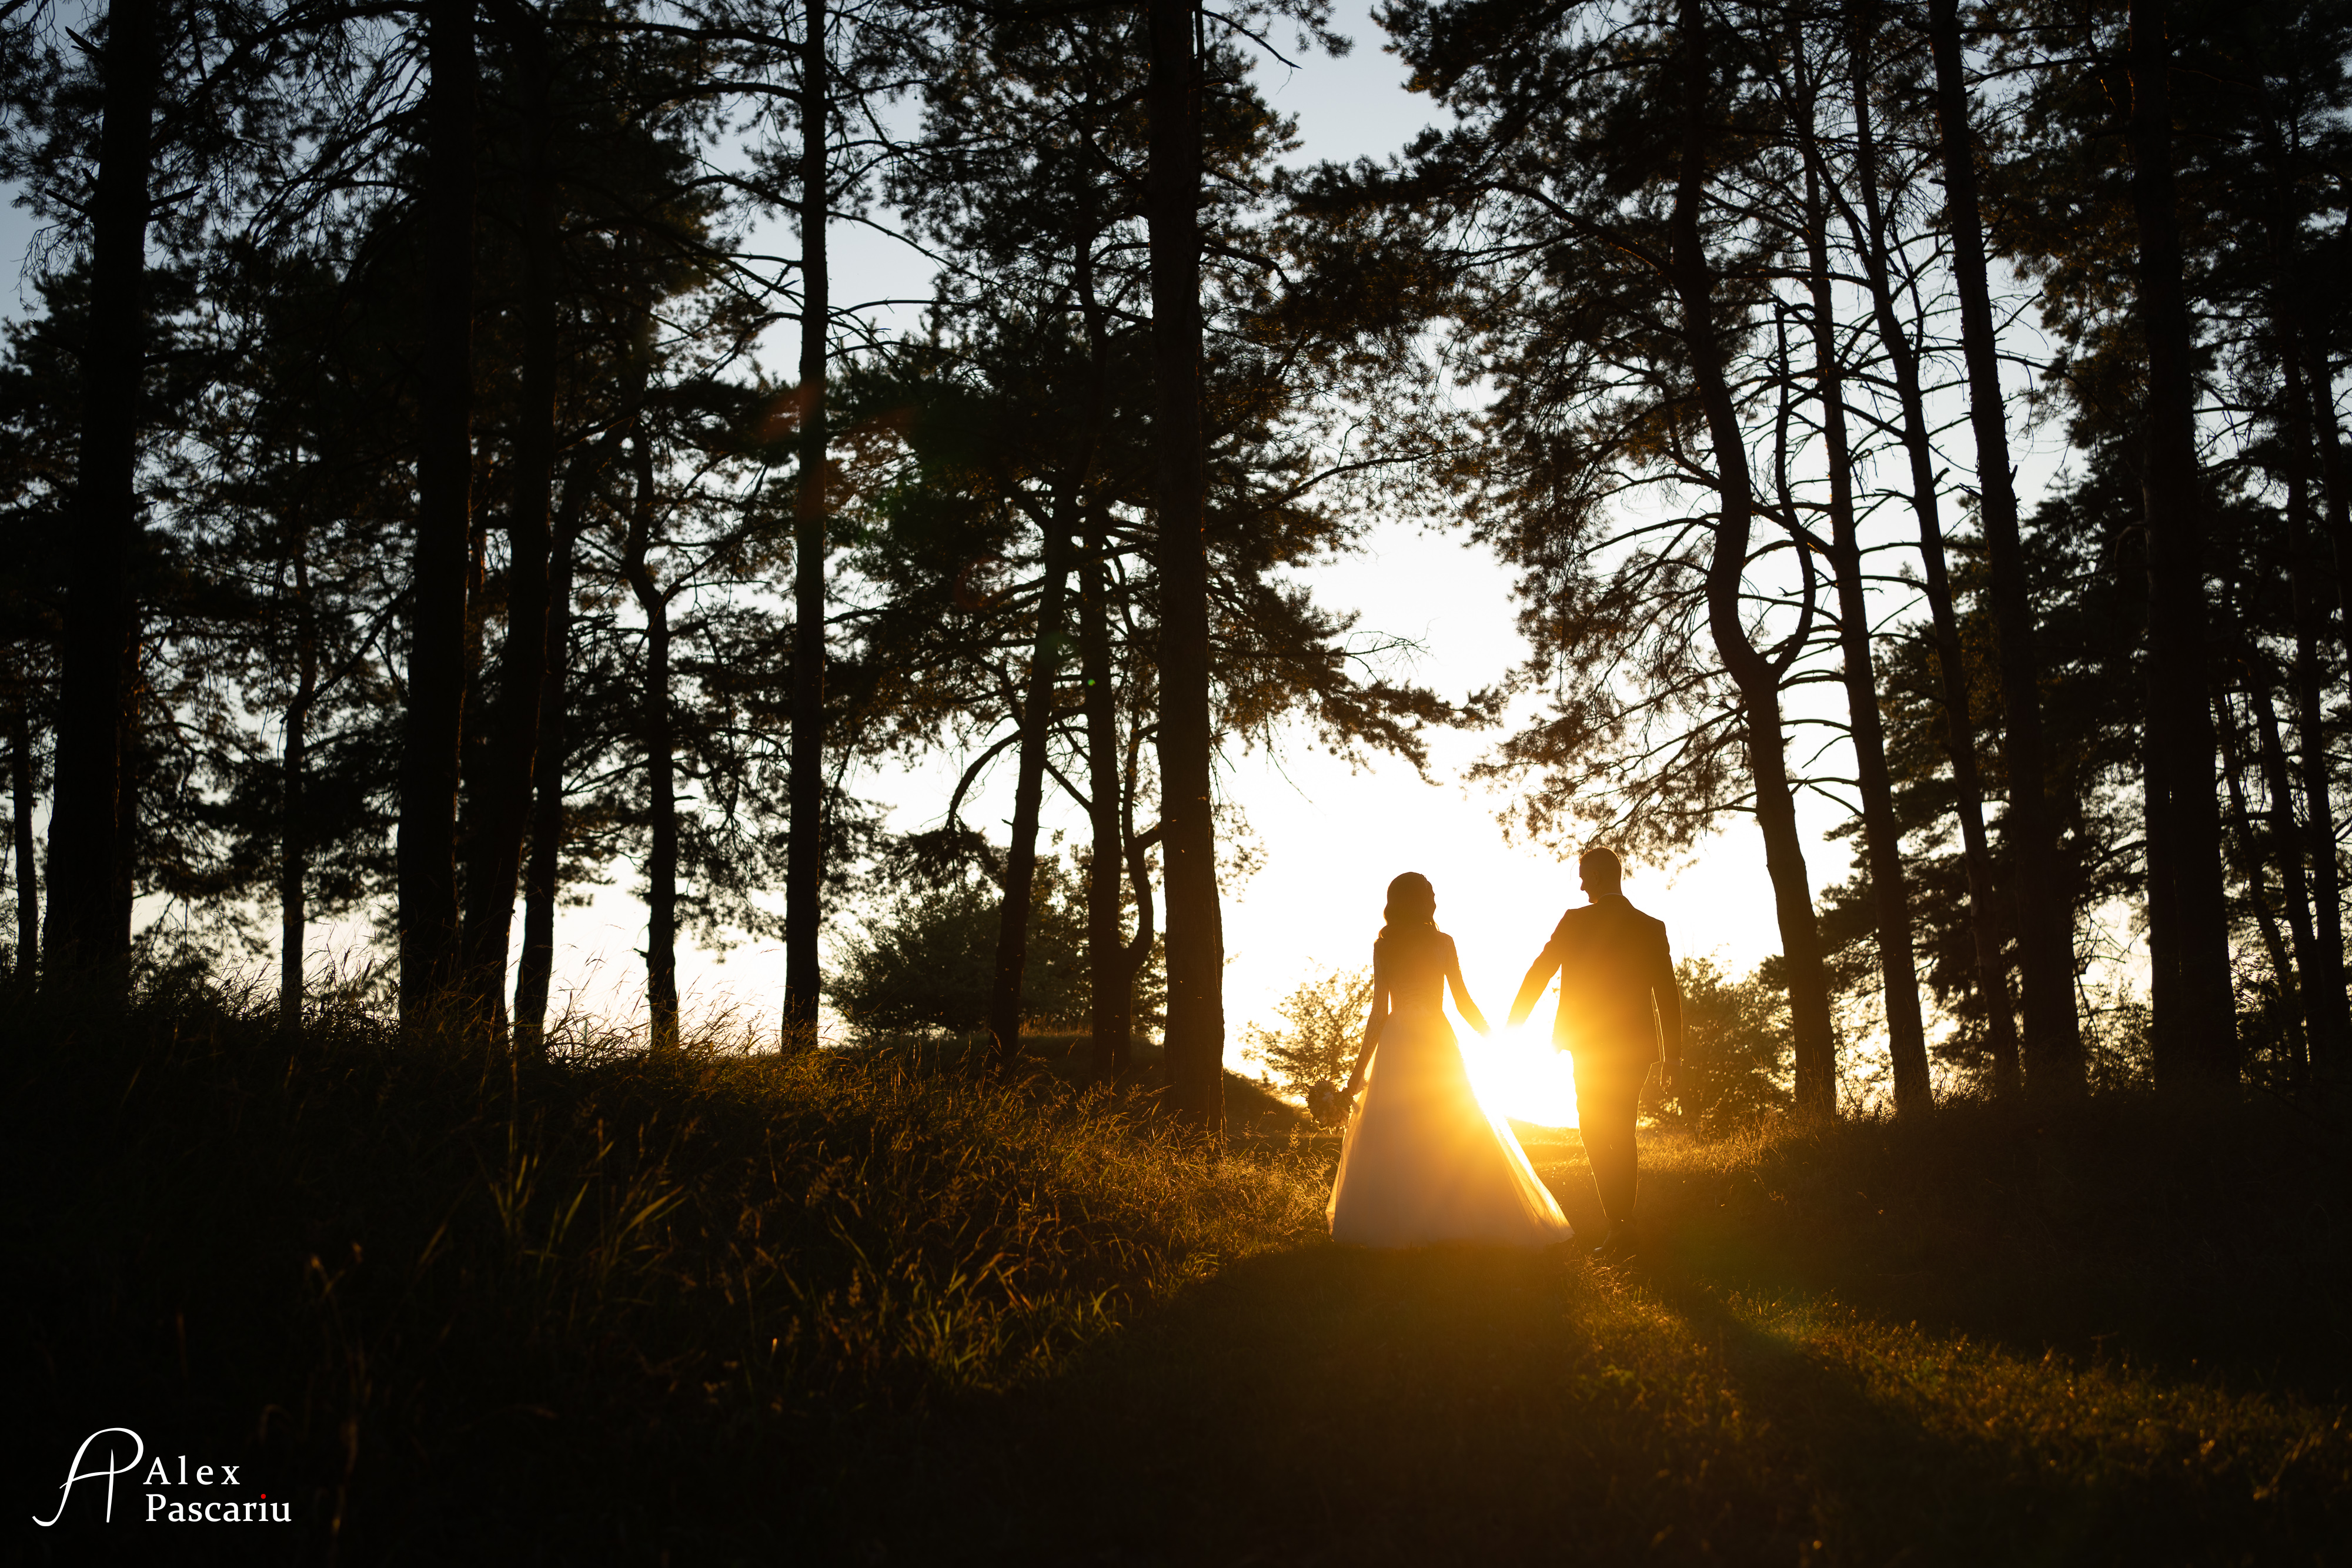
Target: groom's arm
point(1531, 989)
point(1670, 1010)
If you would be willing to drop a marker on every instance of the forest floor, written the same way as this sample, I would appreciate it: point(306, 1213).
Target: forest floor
point(716, 1309)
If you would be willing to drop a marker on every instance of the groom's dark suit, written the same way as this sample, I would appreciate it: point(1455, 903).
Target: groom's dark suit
point(1617, 997)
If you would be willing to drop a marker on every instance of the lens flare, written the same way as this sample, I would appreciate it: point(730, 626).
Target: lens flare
point(1518, 1074)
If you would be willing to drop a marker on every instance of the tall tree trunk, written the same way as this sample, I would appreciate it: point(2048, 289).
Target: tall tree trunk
point(804, 855)
point(1897, 968)
point(494, 851)
point(1110, 1009)
point(2055, 1065)
point(1138, 847)
point(28, 880)
point(1985, 911)
point(293, 849)
point(535, 965)
point(1196, 1036)
point(1028, 795)
point(2332, 467)
point(1110, 1015)
point(2281, 840)
point(87, 928)
point(2326, 1012)
point(2196, 1033)
point(126, 813)
point(1757, 677)
point(2254, 850)
point(661, 796)
point(429, 931)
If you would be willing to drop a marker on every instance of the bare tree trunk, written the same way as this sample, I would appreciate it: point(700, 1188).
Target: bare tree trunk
point(293, 849)
point(1138, 875)
point(2196, 1033)
point(2280, 841)
point(87, 928)
point(1111, 1013)
point(429, 931)
point(535, 965)
point(29, 879)
point(126, 815)
point(1985, 922)
point(494, 851)
point(1757, 677)
point(2054, 1066)
point(1195, 1038)
point(2326, 1010)
point(661, 786)
point(2332, 466)
point(1110, 974)
point(804, 857)
point(1898, 970)
point(1028, 795)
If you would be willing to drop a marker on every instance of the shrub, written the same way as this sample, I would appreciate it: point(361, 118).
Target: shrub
point(1736, 1041)
point(1324, 1027)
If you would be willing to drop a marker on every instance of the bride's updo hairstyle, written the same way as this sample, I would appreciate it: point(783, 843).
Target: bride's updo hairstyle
point(1412, 904)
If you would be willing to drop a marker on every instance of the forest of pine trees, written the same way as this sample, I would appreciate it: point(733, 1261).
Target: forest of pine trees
point(441, 461)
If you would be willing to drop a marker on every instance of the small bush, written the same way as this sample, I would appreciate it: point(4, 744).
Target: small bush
point(1324, 1027)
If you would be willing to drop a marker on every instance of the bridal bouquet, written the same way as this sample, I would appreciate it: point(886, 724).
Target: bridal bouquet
point(1327, 1105)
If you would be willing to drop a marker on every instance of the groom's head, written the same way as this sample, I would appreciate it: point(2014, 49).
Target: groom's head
point(1600, 871)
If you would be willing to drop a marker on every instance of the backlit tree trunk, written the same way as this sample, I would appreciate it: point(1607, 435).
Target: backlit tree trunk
point(1755, 677)
point(429, 931)
point(1109, 975)
point(293, 851)
point(1028, 795)
point(494, 852)
point(1195, 1037)
point(28, 880)
point(1111, 1016)
point(1898, 971)
point(535, 964)
point(2326, 1012)
point(1985, 910)
point(2195, 1026)
point(661, 784)
point(89, 927)
point(805, 856)
point(2044, 916)
point(2286, 844)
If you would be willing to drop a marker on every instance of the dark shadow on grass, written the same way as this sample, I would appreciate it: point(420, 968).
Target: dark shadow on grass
point(2193, 1240)
point(1328, 1404)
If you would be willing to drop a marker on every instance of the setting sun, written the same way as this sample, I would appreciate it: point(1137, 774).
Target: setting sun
point(1518, 1073)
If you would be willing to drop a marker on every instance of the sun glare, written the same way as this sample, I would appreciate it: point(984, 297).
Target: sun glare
point(1516, 1073)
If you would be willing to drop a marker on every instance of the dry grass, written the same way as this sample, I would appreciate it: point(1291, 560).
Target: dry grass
point(717, 1307)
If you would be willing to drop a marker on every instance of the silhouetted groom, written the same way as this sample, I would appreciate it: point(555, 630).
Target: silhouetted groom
point(1619, 1013)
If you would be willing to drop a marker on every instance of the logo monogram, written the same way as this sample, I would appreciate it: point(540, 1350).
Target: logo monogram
point(74, 1474)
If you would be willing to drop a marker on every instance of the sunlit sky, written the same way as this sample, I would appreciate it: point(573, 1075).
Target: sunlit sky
point(1329, 837)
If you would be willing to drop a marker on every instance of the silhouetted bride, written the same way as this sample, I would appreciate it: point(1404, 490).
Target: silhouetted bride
point(1423, 1161)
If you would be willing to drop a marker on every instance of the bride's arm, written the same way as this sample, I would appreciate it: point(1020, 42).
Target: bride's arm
point(1462, 1002)
point(1377, 1020)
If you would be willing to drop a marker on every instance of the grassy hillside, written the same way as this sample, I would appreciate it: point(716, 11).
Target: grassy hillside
point(715, 1308)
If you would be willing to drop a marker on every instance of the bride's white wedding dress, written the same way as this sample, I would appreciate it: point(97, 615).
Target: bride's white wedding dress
point(1422, 1160)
